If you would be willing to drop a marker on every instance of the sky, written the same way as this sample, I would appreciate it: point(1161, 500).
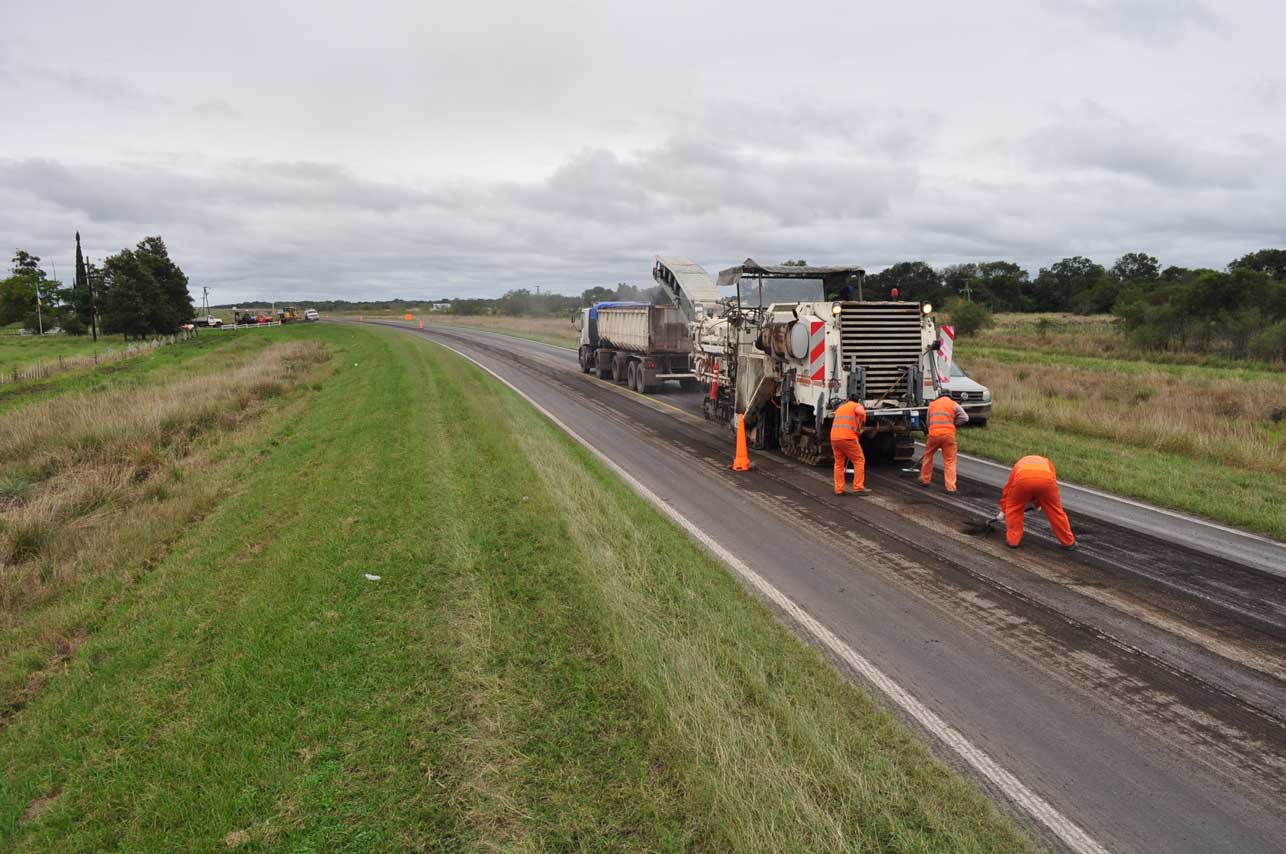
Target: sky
point(373, 150)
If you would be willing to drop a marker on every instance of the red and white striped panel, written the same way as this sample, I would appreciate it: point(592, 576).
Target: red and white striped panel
point(817, 351)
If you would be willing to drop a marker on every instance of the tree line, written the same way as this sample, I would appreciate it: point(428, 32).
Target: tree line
point(1239, 311)
point(136, 292)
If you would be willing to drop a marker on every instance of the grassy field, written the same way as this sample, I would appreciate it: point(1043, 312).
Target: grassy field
point(146, 368)
point(23, 350)
point(511, 679)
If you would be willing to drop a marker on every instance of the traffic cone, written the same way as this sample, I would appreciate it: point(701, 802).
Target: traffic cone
point(742, 461)
point(421, 324)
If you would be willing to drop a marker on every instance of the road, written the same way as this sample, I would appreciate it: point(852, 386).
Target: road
point(1136, 686)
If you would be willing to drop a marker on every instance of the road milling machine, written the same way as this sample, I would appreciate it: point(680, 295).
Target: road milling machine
point(790, 343)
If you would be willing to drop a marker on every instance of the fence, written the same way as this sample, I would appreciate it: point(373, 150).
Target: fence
point(43, 370)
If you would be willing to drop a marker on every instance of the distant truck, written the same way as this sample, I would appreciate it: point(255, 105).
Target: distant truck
point(310, 314)
point(636, 343)
point(209, 320)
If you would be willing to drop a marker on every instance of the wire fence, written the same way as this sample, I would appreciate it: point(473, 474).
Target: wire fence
point(50, 367)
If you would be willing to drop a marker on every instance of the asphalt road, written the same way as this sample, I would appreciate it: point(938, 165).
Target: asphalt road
point(1137, 687)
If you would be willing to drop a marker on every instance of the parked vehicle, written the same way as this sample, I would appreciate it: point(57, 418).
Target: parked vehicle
point(973, 396)
point(208, 320)
point(311, 315)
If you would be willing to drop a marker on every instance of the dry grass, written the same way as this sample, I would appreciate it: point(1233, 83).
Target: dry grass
point(1074, 335)
point(1239, 422)
point(85, 478)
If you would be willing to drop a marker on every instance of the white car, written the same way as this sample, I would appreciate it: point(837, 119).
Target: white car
point(973, 397)
point(311, 314)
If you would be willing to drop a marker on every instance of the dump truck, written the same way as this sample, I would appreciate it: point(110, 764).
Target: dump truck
point(637, 343)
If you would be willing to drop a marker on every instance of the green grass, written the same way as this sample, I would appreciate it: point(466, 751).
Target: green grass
point(513, 680)
point(1224, 370)
point(23, 350)
point(142, 369)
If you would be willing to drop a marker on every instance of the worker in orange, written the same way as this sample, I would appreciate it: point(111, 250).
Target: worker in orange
point(850, 416)
point(1033, 481)
point(945, 415)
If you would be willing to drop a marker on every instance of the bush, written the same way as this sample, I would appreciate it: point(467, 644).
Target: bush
point(1269, 344)
point(970, 317)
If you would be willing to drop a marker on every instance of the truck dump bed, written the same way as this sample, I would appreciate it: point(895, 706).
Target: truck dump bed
point(644, 329)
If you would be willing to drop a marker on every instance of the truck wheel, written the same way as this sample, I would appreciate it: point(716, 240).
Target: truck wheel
point(600, 370)
point(619, 368)
point(586, 360)
point(640, 380)
point(631, 372)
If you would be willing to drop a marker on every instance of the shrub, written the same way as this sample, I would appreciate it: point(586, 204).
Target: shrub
point(970, 317)
point(1269, 343)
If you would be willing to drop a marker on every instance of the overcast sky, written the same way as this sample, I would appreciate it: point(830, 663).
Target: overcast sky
point(424, 149)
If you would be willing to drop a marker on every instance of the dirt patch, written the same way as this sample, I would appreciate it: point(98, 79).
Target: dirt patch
point(41, 805)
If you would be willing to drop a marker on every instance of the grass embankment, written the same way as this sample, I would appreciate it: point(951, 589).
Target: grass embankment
point(1208, 440)
point(513, 679)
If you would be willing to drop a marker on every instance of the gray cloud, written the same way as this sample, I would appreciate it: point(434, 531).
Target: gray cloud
point(1149, 21)
point(1091, 137)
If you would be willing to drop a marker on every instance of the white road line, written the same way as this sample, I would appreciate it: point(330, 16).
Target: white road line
point(1064, 828)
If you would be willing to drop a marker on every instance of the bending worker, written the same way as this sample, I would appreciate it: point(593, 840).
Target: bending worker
point(1033, 481)
point(850, 416)
point(945, 415)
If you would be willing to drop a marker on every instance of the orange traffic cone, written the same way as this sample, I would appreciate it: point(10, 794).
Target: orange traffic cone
point(421, 324)
point(742, 461)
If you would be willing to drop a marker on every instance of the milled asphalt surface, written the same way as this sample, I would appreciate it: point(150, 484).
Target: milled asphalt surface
point(1139, 754)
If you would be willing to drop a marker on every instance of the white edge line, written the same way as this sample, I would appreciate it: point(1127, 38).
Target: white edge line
point(1064, 828)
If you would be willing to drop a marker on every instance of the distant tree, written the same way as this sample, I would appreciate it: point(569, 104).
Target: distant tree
point(81, 299)
point(29, 296)
point(597, 294)
point(1270, 261)
point(914, 280)
point(173, 304)
point(1136, 267)
point(798, 262)
point(1067, 285)
point(129, 295)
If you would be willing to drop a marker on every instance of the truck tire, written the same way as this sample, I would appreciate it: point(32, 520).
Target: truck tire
point(619, 368)
point(631, 370)
point(600, 370)
point(640, 380)
point(586, 359)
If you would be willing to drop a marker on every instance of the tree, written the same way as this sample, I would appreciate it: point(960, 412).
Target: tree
point(82, 299)
point(1270, 261)
point(597, 294)
point(799, 262)
point(914, 280)
point(29, 296)
point(172, 306)
point(1136, 267)
point(129, 295)
point(1066, 285)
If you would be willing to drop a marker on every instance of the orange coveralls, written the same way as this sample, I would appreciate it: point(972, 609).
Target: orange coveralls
point(849, 418)
point(943, 414)
point(1033, 481)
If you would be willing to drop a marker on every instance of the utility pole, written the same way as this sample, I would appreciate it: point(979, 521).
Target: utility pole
point(205, 299)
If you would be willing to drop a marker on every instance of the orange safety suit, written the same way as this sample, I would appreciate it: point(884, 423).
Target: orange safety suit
point(944, 414)
point(1033, 481)
point(847, 426)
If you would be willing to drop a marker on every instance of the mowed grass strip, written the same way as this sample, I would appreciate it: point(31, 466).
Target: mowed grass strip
point(514, 679)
